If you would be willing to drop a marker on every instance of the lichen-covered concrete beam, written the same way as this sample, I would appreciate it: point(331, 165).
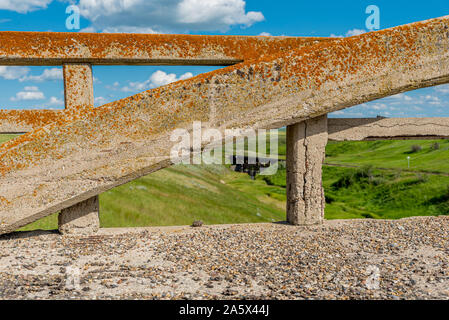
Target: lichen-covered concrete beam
point(45, 48)
point(50, 48)
point(18, 121)
point(348, 129)
point(62, 164)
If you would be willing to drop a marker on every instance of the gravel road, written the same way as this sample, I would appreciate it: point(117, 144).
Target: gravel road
point(351, 259)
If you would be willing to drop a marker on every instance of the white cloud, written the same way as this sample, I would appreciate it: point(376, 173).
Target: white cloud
point(47, 74)
point(157, 79)
point(442, 89)
point(22, 74)
point(424, 102)
point(129, 29)
point(90, 29)
point(115, 86)
point(350, 33)
point(165, 16)
point(401, 96)
point(265, 34)
point(24, 6)
point(13, 73)
point(153, 16)
point(377, 106)
point(54, 101)
point(213, 12)
point(433, 100)
point(100, 101)
point(355, 32)
point(29, 93)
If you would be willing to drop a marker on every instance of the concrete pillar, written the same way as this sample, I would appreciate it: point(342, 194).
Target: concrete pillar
point(82, 218)
point(306, 142)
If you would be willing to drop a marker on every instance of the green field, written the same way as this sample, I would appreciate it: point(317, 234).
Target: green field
point(184, 193)
point(392, 154)
point(382, 187)
point(6, 137)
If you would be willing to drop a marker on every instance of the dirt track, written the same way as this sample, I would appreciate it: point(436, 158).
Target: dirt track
point(339, 260)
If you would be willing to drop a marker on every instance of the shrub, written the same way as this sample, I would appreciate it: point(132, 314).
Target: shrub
point(435, 146)
point(423, 178)
point(328, 198)
point(376, 181)
point(365, 172)
point(361, 176)
point(344, 182)
point(415, 148)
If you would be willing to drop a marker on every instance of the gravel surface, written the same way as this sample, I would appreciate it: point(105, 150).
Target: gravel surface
point(351, 259)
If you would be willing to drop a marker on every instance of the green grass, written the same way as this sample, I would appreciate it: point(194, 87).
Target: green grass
point(181, 194)
point(6, 137)
point(371, 193)
point(391, 154)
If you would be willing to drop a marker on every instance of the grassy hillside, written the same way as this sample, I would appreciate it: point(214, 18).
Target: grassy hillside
point(6, 137)
point(371, 193)
point(184, 193)
point(395, 193)
point(214, 194)
point(433, 156)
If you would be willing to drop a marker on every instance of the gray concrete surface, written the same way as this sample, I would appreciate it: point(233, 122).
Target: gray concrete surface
point(352, 259)
point(306, 144)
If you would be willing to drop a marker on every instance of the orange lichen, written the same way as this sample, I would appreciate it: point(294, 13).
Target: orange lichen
point(55, 48)
point(4, 200)
point(270, 69)
point(29, 118)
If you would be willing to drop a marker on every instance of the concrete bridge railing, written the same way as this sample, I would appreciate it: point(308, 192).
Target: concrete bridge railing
point(70, 156)
point(77, 52)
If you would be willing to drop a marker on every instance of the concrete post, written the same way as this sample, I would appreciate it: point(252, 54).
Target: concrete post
point(306, 142)
point(82, 218)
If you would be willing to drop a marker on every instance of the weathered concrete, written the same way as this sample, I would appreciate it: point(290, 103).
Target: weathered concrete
point(20, 121)
point(306, 143)
point(347, 129)
point(60, 165)
point(37, 48)
point(83, 217)
point(78, 92)
point(330, 261)
point(50, 48)
point(78, 86)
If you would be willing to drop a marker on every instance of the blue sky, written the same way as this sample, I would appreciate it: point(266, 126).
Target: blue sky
point(42, 87)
